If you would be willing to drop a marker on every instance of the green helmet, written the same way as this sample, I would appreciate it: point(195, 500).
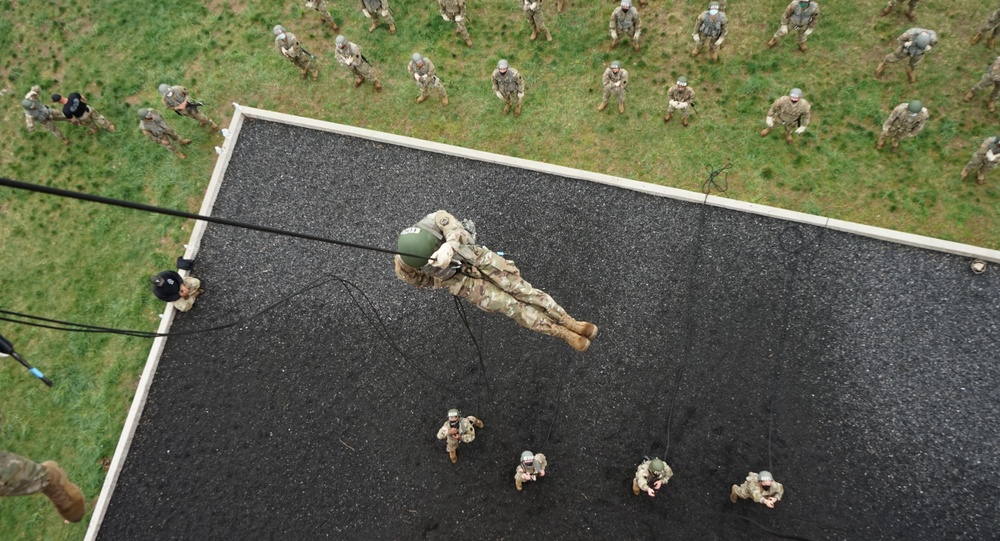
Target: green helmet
point(527, 457)
point(657, 465)
point(278, 30)
point(923, 40)
point(415, 242)
point(453, 412)
point(143, 113)
point(616, 64)
point(682, 81)
point(28, 104)
point(915, 107)
point(418, 58)
point(502, 64)
point(340, 41)
point(796, 93)
point(765, 476)
point(164, 88)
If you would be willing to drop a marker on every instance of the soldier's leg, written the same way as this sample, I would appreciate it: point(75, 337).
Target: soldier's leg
point(782, 30)
point(986, 168)
point(635, 42)
point(462, 31)
point(99, 120)
point(54, 130)
point(505, 275)
point(370, 73)
point(742, 491)
point(488, 297)
point(604, 101)
point(993, 95)
point(29, 122)
point(20, 476)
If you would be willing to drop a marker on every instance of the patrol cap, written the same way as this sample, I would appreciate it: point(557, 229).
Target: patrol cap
point(453, 412)
point(56, 97)
point(28, 104)
point(164, 88)
point(417, 57)
point(682, 81)
point(278, 29)
point(527, 457)
point(340, 41)
point(502, 64)
point(616, 64)
point(915, 106)
point(143, 113)
point(418, 242)
point(765, 475)
point(796, 93)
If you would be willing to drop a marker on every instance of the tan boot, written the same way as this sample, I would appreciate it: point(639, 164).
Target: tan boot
point(715, 56)
point(373, 27)
point(517, 483)
point(333, 25)
point(621, 108)
point(358, 82)
point(911, 74)
point(980, 178)
point(421, 99)
point(684, 121)
point(583, 328)
point(444, 100)
point(548, 35)
point(788, 138)
point(895, 145)
point(803, 47)
point(378, 86)
point(304, 73)
point(517, 110)
point(965, 172)
point(991, 105)
point(66, 496)
point(880, 144)
point(478, 423)
point(185, 141)
point(560, 5)
point(602, 106)
point(910, 14)
point(695, 51)
point(180, 154)
point(886, 10)
point(733, 496)
point(635, 488)
point(468, 41)
point(577, 342)
point(879, 69)
point(534, 34)
point(765, 132)
point(635, 47)
point(969, 95)
point(392, 28)
point(506, 108)
point(453, 455)
point(975, 39)
point(668, 117)
point(315, 74)
point(991, 42)
point(772, 43)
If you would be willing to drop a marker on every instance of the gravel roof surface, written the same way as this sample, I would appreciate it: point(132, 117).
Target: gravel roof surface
point(862, 373)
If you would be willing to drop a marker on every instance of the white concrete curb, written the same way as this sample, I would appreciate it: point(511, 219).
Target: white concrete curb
point(153, 360)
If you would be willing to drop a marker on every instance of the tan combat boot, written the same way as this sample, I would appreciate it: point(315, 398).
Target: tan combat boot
point(880, 144)
point(534, 34)
point(910, 15)
point(548, 35)
point(392, 28)
point(965, 172)
point(468, 41)
point(969, 95)
point(980, 178)
point(315, 74)
point(359, 81)
point(668, 117)
point(602, 106)
point(304, 73)
point(444, 100)
point(185, 141)
point(684, 121)
point(991, 105)
point(621, 108)
point(788, 137)
point(506, 108)
point(772, 43)
point(517, 110)
point(635, 47)
point(65, 495)
point(895, 145)
point(453, 455)
point(803, 47)
point(975, 39)
point(715, 56)
point(733, 496)
point(991, 42)
point(765, 131)
point(517, 483)
point(378, 85)
point(421, 99)
point(372, 27)
point(695, 51)
point(587, 330)
point(879, 69)
point(333, 25)
point(635, 488)
point(577, 342)
point(560, 5)
point(911, 74)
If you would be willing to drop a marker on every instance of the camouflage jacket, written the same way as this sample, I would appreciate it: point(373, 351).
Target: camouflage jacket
point(625, 21)
point(526, 5)
point(536, 467)
point(466, 432)
point(717, 27)
point(989, 144)
point(175, 96)
point(994, 70)
point(290, 44)
point(910, 37)
point(156, 126)
point(509, 83)
point(788, 112)
point(375, 5)
point(349, 54)
point(643, 477)
point(901, 121)
point(677, 93)
point(452, 7)
point(426, 72)
point(798, 17)
point(610, 78)
point(758, 493)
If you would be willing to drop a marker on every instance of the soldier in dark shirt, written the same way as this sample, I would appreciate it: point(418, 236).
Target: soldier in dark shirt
point(78, 112)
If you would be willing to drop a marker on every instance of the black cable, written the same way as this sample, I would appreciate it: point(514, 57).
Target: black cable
point(484, 382)
point(182, 214)
point(710, 183)
point(766, 529)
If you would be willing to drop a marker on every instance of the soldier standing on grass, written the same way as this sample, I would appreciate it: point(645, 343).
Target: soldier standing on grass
point(422, 70)
point(653, 472)
point(533, 12)
point(913, 44)
point(289, 47)
point(375, 9)
point(324, 13)
point(349, 54)
point(77, 111)
point(157, 130)
point(22, 477)
point(791, 111)
point(458, 429)
point(36, 111)
point(508, 86)
point(906, 120)
point(680, 96)
point(984, 160)
point(991, 29)
point(909, 9)
point(625, 22)
point(991, 79)
point(711, 28)
point(614, 80)
point(802, 15)
point(759, 487)
point(177, 99)
point(531, 467)
point(454, 10)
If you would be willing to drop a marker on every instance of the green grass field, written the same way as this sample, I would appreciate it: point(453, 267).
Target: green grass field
point(88, 263)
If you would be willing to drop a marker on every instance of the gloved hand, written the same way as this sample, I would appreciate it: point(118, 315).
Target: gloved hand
point(808, 31)
point(618, 83)
point(784, 29)
point(770, 121)
point(442, 257)
point(459, 18)
point(719, 41)
point(416, 77)
point(614, 34)
point(499, 94)
point(350, 60)
point(675, 104)
point(284, 51)
point(696, 37)
point(384, 13)
point(534, 6)
point(800, 129)
point(445, 17)
point(907, 44)
point(367, 14)
point(635, 36)
point(520, 95)
point(927, 48)
point(991, 156)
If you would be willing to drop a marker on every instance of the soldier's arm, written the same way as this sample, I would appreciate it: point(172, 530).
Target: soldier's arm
point(724, 24)
point(640, 476)
point(431, 72)
point(520, 83)
point(697, 23)
point(920, 124)
point(461, 9)
point(814, 19)
point(905, 36)
point(614, 20)
point(775, 108)
point(638, 22)
point(493, 79)
point(624, 73)
point(441, 7)
point(606, 78)
point(779, 491)
point(411, 276)
point(804, 119)
point(541, 461)
point(443, 433)
point(786, 17)
point(667, 474)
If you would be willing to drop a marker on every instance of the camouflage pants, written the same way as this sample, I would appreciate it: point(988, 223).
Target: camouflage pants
point(800, 29)
point(305, 63)
point(320, 6)
point(184, 304)
point(894, 133)
point(685, 110)
point(452, 443)
point(988, 82)
point(630, 33)
point(900, 54)
point(364, 71)
point(192, 111)
point(744, 491)
point(435, 86)
point(913, 3)
point(387, 17)
point(980, 165)
point(49, 125)
point(705, 39)
point(460, 28)
point(20, 476)
point(511, 98)
point(991, 28)
point(535, 20)
point(500, 288)
point(616, 90)
point(95, 121)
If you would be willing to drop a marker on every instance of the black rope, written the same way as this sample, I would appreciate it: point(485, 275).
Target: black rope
point(710, 183)
point(182, 214)
point(766, 529)
point(484, 383)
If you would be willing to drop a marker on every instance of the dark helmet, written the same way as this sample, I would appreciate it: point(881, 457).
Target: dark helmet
point(415, 242)
point(657, 465)
point(915, 107)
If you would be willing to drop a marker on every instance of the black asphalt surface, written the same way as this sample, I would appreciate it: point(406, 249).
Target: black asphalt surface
point(862, 373)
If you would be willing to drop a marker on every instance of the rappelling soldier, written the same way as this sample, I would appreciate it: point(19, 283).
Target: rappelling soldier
point(650, 476)
point(531, 467)
point(759, 487)
point(458, 429)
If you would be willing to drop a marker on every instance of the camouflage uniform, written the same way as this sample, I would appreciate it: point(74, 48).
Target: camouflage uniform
point(20, 476)
point(643, 478)
point(350, 55)
point(980, 163)
point(625, 22)
point(487, 280)
point(791, 115)
point(524, 473)
point(991, 79)
point(324, 12)
point(901, 124)
point(614, 83)
point(157, 130)
point(680, 98)
point(510, 85)
point(454, 10)
point(427, 80)
point(990, 29)
point(751, 489)
point(185, 304)
point(177, 96)
point(710, 30)
point(376, 9)
point(466, 432)
point(533, 11)
point(90, 116)
point(913, 51)
point(802, 20)
point(36, 111)
point(291, 49)
point(910, 9)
